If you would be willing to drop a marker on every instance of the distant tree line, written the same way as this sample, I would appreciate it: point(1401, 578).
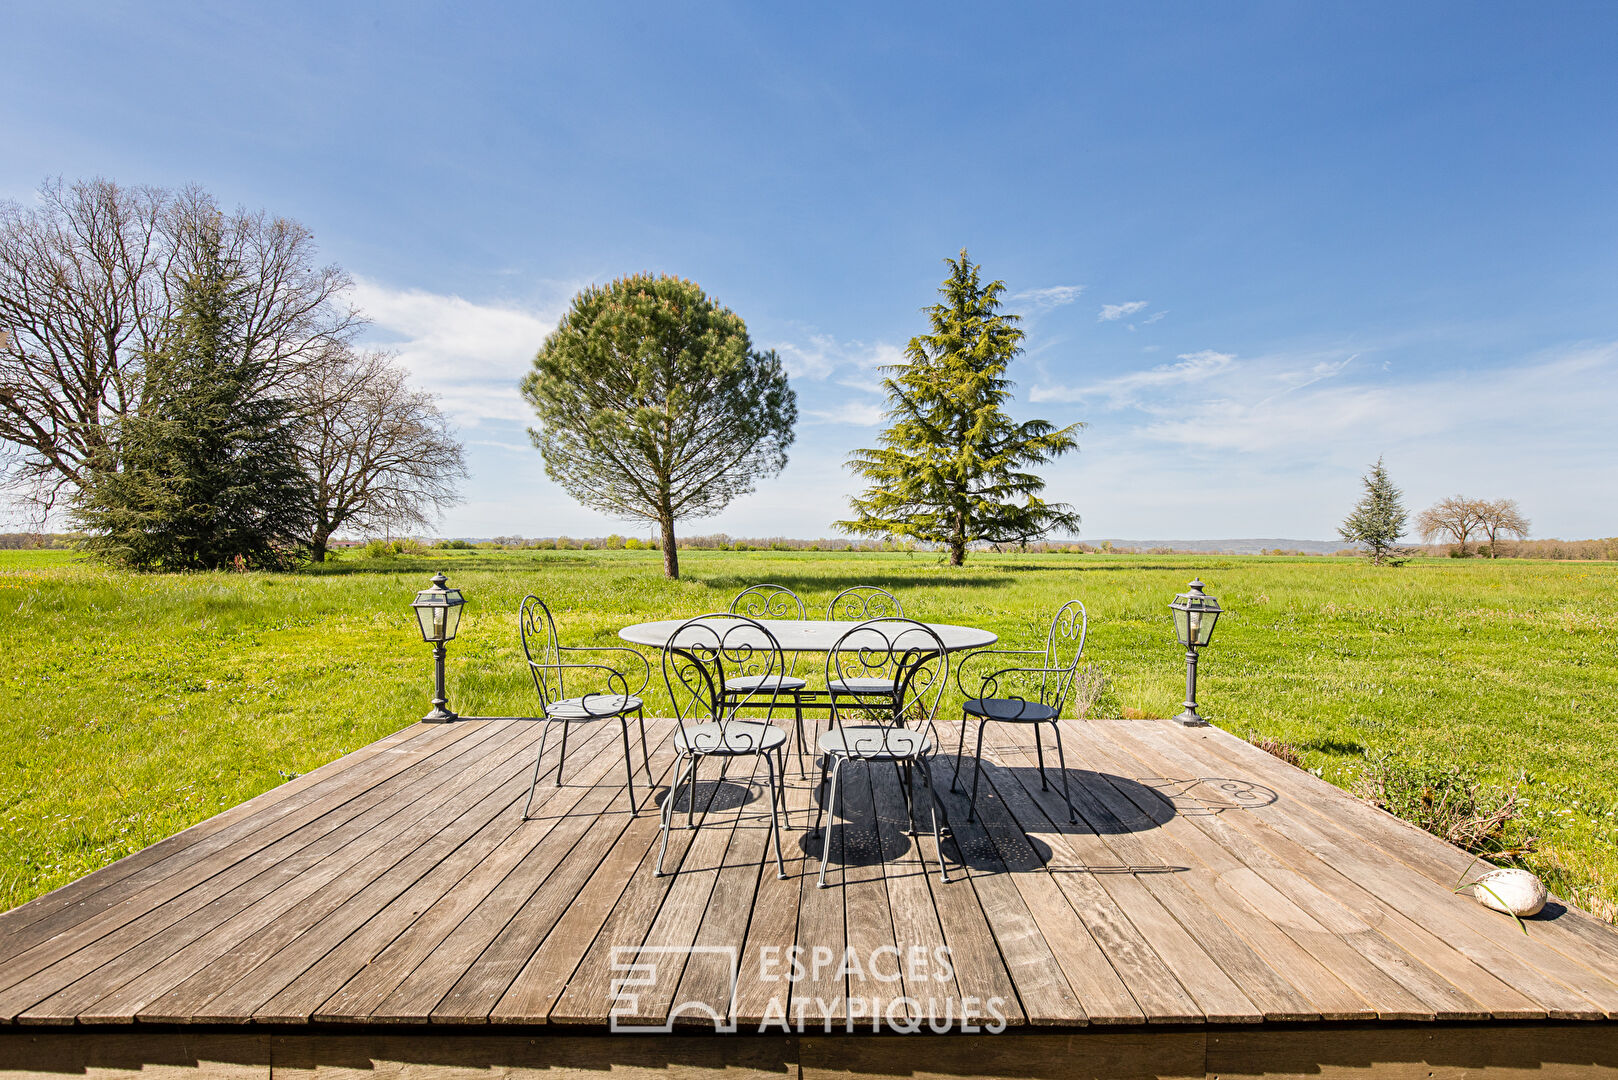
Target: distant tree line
point(186, 383)
point(1378, 522)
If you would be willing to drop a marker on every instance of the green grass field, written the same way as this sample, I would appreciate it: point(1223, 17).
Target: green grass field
point(137, 705)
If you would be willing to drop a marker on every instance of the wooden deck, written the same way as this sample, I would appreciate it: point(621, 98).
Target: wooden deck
point(1207, 891)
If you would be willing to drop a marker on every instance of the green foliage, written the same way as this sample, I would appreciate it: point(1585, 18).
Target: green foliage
point(1449, 801)
point(653, 404)
point(1378, 519)
point(950, 469)
point(208, 473)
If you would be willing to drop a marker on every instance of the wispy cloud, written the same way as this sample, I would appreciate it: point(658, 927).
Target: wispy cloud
point(1129, 389)
point(822, 356)
point(856, 413)
point(471, 354)
point(1114, 312)
point(1155, 316)
point(1051, 296)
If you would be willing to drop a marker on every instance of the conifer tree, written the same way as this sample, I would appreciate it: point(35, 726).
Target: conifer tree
point(209, 470)
point(1378, 519)
point(951, 465)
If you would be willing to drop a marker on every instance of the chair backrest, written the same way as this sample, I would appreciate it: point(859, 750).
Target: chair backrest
point(767, 601)
point(1063, 648)
point(864, 602)
point(700, 656)
point(903, 650)
point(540, 646)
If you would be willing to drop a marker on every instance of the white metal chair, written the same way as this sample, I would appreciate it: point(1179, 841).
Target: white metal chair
point(549, 670)
point(763, 602)
point(913, 658)
point(700, 662)
point(1032, 694)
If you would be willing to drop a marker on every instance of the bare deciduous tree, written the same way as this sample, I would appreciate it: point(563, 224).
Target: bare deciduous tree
point(1501, 517)
point(378, 454)
point(89, 281)
point(1456, 517)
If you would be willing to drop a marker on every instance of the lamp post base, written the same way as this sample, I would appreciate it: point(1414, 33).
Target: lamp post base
point(1189, 718)
point(440, 715)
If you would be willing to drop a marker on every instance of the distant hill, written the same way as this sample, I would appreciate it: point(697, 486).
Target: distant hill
point(1229, 547)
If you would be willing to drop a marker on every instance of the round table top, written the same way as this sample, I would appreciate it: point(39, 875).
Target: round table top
point(810, 635)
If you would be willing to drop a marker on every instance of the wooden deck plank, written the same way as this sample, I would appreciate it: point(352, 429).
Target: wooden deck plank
point(81, 890)
point(586, 996)
point(226, 989)
point(1040, 985)
point(1492, 940)
point(404, 888)
point(109, 936)
point(928, 987)
point(1255, 862)
point(41, 942)
point(1101, 995)
point(1575, 934)
point(410, 980)
point(1346, 963)
point(165, 959)
point(388, 947)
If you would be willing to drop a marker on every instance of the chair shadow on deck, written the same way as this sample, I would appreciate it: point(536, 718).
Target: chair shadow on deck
point(712, 796)
point(1111, 805)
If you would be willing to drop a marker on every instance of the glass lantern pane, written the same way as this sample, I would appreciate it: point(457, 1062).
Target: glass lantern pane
point(1203, 625)
point(1181, 626)
point(452, 616)
point(424, 616)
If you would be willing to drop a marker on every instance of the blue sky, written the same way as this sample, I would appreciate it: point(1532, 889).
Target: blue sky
point(1256, 245)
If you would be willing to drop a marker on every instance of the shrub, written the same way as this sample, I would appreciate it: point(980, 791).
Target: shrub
point(633, 544)
point(1449, 802)
point(1278, 748)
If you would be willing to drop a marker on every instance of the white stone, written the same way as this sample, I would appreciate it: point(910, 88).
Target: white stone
point(1515, 892)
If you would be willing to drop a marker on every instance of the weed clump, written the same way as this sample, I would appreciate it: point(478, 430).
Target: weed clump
point(1278, 748)
point(1448, 801)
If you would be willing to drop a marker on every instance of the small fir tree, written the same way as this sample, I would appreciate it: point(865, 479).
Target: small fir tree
point(208, 476)
point(1378, 519)
point(951, 465)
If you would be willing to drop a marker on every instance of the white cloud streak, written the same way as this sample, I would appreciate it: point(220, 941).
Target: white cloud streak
point(1051, 296)
point(1114, 312)
point(472, 355)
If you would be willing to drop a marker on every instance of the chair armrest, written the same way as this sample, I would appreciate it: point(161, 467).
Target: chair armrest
point(645, 665)
point(961, 665)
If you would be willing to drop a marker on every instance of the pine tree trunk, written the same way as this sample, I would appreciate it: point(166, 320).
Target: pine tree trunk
point(671, 554)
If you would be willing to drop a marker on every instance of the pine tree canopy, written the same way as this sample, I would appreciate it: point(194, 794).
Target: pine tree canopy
point(1378, 519)
point(209, 469)
point(951, 467)
point(653, 404)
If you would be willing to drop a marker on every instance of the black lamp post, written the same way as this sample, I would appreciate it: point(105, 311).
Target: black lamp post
point(1194, 618)
point(438, 610)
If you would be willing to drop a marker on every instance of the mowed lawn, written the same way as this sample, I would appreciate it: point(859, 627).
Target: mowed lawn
point(134, 706)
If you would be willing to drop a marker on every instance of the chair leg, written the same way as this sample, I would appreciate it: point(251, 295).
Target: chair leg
point(831, 813)
point(629, 768)
point(668, 816)
point(797, 705)
point(562, 757)
point(907, 789)
point(940, 819)
point(1061, 763)
point(1039, 753)
point(691, 794)
point(977, 774)
point(960, 752)
point(645, 757)
point(529, 805)
point(775, 820)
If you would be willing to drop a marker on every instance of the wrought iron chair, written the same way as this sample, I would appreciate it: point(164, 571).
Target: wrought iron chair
point(700, 662)
point(548, 663)
point(1033, 694)
point(769, 601)
point(860, 604)
point(913, 658)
